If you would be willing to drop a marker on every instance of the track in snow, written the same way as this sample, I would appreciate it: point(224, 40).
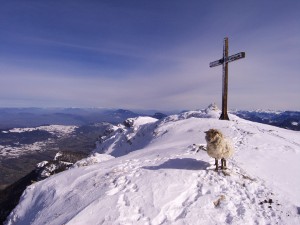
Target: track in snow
point(238, 195)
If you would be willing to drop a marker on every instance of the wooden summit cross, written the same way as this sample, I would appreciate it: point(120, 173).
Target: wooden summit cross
point(224, 61)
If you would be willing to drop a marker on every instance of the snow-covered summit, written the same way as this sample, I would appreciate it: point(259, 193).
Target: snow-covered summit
point(157, 177)
point(211, 111)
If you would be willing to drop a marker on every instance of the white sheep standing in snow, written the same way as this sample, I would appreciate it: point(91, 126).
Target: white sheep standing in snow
point(218, 147)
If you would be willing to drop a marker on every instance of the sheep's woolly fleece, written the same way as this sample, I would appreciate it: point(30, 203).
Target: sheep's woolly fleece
point(218, 147)
point(157, 177)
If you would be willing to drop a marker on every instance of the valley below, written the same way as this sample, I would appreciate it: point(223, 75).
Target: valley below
point(19, 158)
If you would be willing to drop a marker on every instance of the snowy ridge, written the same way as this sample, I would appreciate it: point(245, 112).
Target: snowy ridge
point(157, 177)
point(134, 134)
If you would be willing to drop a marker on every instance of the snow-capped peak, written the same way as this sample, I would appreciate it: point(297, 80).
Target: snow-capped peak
point(211, 111)
point(212, 107)
point(139, 121)
point(158, 178)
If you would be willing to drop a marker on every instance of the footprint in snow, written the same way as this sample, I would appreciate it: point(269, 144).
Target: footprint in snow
point(129, 213)
point(118, 185)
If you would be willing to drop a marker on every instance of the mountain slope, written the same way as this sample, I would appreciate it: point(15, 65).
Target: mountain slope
point(157, 177)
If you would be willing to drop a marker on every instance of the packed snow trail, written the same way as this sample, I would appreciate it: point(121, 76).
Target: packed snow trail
point(180, 189)
point(159, 178)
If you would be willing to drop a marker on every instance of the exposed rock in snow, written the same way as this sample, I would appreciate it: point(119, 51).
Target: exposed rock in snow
point(94, 158)
point(42, 164)
point(122, 139)
point(10, 196)
point(63, 160)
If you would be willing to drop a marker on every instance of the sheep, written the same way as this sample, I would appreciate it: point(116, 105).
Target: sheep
point(218, 147)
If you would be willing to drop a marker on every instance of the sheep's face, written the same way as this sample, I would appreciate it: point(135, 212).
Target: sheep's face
point(213, 135)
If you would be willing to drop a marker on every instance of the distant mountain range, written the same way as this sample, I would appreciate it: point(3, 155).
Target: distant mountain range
point(284, 119)
point(32, 117)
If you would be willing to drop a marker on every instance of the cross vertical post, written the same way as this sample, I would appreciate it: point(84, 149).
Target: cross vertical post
point(224, 62)
point(224, 115)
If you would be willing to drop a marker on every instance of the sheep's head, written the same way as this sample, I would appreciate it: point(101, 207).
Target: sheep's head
point(213, 135)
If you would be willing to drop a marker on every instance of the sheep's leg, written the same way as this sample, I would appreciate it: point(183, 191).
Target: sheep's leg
point(216, 163)
point(223, 164)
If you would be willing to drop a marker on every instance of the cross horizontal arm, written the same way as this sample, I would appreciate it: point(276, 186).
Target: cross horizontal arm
point(234, 57)
point(216, 63)
point(231, 58)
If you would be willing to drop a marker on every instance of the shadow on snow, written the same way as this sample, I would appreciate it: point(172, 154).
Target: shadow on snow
point(185, 164)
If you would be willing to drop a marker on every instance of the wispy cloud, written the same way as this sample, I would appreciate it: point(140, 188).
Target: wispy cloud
point(152, 55)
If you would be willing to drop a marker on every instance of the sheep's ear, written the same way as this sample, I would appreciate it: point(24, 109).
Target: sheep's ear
point(206, 132)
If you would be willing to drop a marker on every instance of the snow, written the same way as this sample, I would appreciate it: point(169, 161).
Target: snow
point(157, 177)
point(139, 121)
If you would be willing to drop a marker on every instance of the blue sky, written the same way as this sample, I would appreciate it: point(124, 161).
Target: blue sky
point(148, 54)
